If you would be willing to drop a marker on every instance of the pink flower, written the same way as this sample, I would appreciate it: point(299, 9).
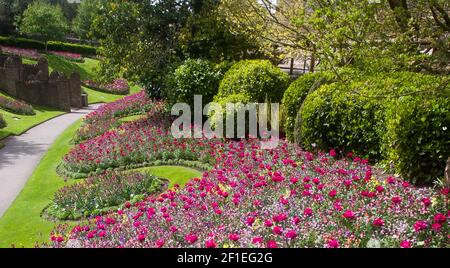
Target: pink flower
point(436, 227)
point(279, 218)
point(350, 215)
point(291, 234)
point(308, 212)
point(396, 200)
point(277, 230)
point(332, 193)
point(234, 237)
point(272, 244)
point(268, 223)
point(160, 243)
point(295, 220)
point(405, 244)
point(332, 153)
point(141, 237)
point(426, 201)
point(250, 221)
point(380, 189)
point(332, 243)
point(257, 240)
point(294, 180)
point(210, 244)
point(420, 226)
point(440, 218)
point(378, 222)
point(191, 238)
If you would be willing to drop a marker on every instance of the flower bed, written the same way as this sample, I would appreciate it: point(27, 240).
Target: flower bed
point(68, 55)
point(22, 52)
point(16, 106)
point(118, 86)
point(284, 197)
point(101, 193)
point(107, 116)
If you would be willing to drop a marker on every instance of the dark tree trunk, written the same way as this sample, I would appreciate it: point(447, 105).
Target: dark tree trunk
point(401, 12)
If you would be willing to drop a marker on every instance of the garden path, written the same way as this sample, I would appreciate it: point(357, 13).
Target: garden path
point(22, 154)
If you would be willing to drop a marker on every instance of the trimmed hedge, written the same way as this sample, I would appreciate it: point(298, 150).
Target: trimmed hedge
point(193, 77)
point(295, 95)
point(417, 136)
point(52, 45)
point(376, 117)
point(2, 122)
point(259, 79)
point(73, 48)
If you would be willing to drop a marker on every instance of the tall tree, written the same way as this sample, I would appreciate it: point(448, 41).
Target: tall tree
point(44, 21)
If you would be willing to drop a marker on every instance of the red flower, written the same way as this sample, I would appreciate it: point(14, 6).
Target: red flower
point(250, 221)
point(141, 237)
point(257, 240)
point(332, 193)
point(279, 218)
point(277, 230)
point(378, 222)
point(332, 243)
point(191, 238)
point(272, 244)
point(308, 212)
point(296, 220)
point(350, 215)
point(210, 244)
point(160, 243)
point(436, 227)
point(420, 226)
point(405, 244)
point(268, 223)
point(440, 218)
point(426, 201)
point(291, 234)
point(332, 153)
point(234, 237)
point(396, 200)
point(380, 189)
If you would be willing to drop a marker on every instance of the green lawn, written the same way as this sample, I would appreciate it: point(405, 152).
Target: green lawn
point(18, 124)
point(22, 224)
point(101, 97)
point(175, 174)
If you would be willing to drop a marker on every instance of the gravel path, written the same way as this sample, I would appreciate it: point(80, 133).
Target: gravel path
point(22, 154)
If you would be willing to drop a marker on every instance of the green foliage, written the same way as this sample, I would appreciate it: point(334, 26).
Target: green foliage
point(2, 121)
point(295, 95)
point(193, 77)
point(417, 136)
point(74, 48)
point(43, 20)
point(259, 79)
point(400, 118)
point(217, 117)
point(101, 193)
point(86, 14)
point(342, 116)
point(21, 43)
point(52, 45)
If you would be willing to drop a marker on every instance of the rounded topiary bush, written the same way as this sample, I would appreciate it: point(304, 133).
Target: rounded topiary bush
point(259, 79)
point(295, 95)
point(193, 77)
point(2, 122)
point(342, 116)
point(417, 139)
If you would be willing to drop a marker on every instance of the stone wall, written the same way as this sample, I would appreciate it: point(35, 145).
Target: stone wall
point(34, 84)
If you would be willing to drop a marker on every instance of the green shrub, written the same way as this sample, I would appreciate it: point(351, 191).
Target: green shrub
point(400, 118)
point(73, 48)
point(239, 99)
point(193, 77)
point(295, 95)
point(259, 79)
point(417, 137)
point(341, 116)
point(21, 43)
point(52, 45)
point(2, 122)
